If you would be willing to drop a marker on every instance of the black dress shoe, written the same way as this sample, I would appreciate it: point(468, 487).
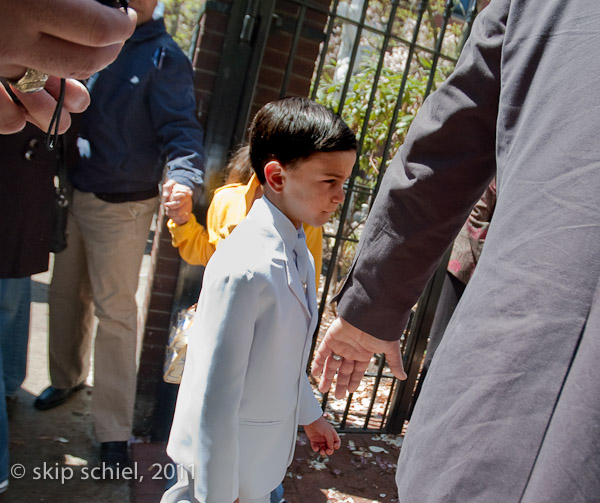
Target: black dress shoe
point(114, 454)
point(52, 397)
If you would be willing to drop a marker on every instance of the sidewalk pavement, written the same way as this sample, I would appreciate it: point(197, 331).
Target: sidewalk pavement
point(54, 453)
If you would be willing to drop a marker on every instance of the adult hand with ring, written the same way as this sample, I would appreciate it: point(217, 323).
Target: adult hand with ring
point(345, 353)
point(63, 38)
point(38, 107)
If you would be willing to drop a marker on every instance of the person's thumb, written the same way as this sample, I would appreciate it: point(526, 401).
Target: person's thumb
point(393, 357)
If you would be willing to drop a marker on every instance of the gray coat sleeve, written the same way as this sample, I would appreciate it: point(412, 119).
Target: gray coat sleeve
point(430, 187)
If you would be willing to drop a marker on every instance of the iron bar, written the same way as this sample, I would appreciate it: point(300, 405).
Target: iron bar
point(293, 49)
point(375, 389)
point(438, 46)
point(355, 47)
point(324, 47)
point(378, 31)
point(398, 107)
point(346, 410)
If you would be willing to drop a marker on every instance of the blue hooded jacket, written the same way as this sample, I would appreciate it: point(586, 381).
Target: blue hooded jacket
point(142, 114)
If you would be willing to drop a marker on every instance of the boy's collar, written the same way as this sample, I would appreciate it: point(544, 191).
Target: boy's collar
point(283, 224)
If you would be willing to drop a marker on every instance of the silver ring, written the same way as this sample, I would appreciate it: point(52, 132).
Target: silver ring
point(31, 82)
point(337, 358)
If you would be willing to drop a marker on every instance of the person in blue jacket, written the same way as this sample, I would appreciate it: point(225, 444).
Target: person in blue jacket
point(142, 115)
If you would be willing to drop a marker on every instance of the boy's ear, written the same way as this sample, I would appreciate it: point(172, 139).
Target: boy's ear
point(274, 175)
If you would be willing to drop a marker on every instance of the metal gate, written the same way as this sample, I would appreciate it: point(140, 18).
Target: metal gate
point(377, 61)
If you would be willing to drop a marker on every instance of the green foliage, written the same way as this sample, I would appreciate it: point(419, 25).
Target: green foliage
point(379, 128)
point(393, 105)
point(379, 112)
point(181, 17)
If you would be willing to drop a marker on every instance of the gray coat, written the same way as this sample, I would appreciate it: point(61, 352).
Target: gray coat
point(510, 410)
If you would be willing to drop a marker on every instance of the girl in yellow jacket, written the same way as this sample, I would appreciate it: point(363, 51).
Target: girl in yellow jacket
point(229, 206)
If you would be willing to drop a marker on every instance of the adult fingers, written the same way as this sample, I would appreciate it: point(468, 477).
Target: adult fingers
point(345, 371)
point(77, 97)
point(67, 38)
point(358, 372)
point(328, 376)
point(320, 356)
point(182, 190)
point(12, 117)
point(330, 344)
point(66, 59)
point(40, 108)
point(83, 22)
point(167, 189)
point(329, 368)
point(319, 361)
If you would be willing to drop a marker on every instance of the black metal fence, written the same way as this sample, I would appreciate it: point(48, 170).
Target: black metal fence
point(378, 61)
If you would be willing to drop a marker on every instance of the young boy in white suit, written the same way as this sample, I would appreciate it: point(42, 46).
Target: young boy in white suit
point(244, 390)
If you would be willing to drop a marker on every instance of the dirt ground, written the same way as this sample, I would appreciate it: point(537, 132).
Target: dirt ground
point(362, 471)
point(54, 453)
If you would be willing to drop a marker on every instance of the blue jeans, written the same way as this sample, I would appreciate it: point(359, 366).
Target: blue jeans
point(277, 494)
point(15, 300)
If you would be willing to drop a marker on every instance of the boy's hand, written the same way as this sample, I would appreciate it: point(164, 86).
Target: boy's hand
point(323, 437)
point(178, 201)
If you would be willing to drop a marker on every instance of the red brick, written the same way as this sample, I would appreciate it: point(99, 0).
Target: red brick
point(157, 327)
point(212, 41)
point(153, 354)
point(164, 283)
point(161, 302)
point(168, 265)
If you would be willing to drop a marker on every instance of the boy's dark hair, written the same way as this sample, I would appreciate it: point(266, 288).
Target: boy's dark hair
point(294, 128)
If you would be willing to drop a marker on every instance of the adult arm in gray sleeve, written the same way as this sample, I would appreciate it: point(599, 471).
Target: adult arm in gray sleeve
point(430, 187)
point(447, 160)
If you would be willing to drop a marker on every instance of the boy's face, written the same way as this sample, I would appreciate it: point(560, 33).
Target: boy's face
point(312, 191)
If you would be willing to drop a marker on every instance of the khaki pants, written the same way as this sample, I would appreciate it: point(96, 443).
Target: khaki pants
point(98, 273)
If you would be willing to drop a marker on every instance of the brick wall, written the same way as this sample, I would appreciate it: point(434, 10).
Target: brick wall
point(279, 43)
point(165, 264)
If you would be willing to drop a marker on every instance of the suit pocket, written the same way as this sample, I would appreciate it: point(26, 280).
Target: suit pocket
point(265, 447)
point(260, 423)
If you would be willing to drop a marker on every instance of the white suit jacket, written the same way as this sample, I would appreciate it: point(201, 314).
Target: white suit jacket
point(244, 389)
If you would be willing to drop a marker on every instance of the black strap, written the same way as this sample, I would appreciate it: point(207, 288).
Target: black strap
point(52, 136)
point(61, 172)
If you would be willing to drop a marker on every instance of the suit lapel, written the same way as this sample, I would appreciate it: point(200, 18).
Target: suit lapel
point(273, 221)
point(294, 282)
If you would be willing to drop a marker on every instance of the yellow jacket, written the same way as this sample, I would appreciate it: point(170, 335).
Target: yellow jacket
point(229, 206)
